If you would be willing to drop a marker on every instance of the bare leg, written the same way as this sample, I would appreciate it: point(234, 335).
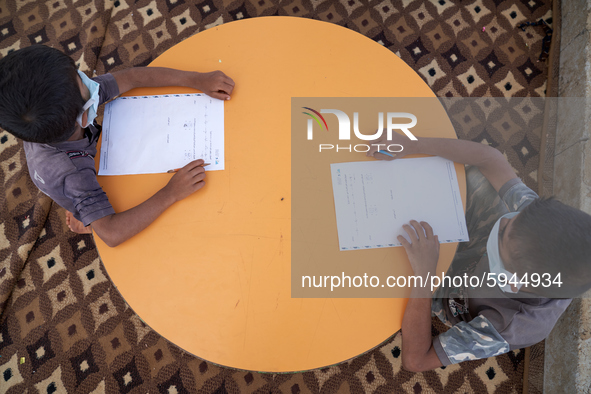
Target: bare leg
point(76, 225)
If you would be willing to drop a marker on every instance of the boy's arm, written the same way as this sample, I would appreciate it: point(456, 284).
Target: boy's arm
point(117, 228)
point(491, 162)
point(215, 84)
point(418, 353)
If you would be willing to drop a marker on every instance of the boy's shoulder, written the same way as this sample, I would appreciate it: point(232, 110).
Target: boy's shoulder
point(46, 158)
point(49, 165)
point(516, 195)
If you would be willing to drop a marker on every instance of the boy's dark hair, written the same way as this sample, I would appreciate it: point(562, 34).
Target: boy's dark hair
point(553, 238)
point(39, 94)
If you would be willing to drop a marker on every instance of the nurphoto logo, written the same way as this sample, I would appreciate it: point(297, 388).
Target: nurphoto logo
point(345, 129)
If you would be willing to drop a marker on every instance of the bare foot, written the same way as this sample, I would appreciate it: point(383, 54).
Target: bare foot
point(76, 225)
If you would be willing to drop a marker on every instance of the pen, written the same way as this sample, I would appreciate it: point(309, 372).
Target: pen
point(383, 152)
point(176, 169)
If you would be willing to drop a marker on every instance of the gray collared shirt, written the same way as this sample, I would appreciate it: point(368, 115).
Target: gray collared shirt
point(65, 170)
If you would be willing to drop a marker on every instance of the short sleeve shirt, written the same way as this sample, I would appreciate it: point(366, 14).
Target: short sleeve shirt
point(485, 320)
point(65, 171)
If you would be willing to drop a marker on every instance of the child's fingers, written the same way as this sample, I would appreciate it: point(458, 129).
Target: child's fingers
point(220, 95)
point(190, 170)
point(428, 229)
point(403, 241)
point(229, 81)
point(380, 154)
point(373, 148)
point(418, 228)
point(411, 233)
point(379, 142)
point(383, 156)
point(220, 75)
point(194, 164)
point(198, 186)
point(198, 176)
point(227, 86)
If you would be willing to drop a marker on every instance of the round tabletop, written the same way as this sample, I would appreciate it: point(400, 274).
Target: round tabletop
point(213, 273)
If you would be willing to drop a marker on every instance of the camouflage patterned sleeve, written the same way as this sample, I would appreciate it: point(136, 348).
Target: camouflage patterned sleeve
point(437, 307)
point(516, 195)
point(469, 341)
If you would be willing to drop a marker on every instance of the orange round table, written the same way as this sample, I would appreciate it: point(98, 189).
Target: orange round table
point(212, 274)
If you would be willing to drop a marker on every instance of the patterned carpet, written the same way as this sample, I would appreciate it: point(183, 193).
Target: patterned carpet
point(65, 328)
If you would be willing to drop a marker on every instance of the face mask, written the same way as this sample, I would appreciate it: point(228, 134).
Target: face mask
point(494, 258)
point(92, 104)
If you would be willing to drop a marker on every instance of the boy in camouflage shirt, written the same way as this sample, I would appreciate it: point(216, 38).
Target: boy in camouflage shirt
point(534, 254)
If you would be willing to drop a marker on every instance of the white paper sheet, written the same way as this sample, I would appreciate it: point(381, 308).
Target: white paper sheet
point(373, 199)
point(152, 134)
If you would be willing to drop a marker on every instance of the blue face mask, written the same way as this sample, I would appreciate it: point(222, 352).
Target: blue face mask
point(495, 263)
point(92, 104)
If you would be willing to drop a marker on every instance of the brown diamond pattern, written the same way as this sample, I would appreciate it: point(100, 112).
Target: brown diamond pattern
point(454, 56)
point(437, 36)
point(478, 10)
point(421, 16)
point(158, 356)
point(71, 331)
point(474, 43)
point(457, 23)
point(512, 49)
point(102, 310)
point(386, 9)
point(61, 296)
point(10, 373)
point(29, 317)
point(114, 344)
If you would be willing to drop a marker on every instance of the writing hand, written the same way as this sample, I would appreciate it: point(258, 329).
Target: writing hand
point(186, 181)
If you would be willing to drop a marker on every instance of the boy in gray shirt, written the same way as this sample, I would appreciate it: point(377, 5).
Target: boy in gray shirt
point(533, 254)
point(51, 106)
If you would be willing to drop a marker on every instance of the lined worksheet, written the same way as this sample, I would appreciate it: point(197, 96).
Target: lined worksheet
point(152, 134)
point(373, 199)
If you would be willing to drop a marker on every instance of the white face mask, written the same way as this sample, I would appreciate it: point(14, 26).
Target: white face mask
point(495, 263)
point(92, 104)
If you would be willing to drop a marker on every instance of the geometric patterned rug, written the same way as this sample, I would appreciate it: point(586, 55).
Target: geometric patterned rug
point(63, 325)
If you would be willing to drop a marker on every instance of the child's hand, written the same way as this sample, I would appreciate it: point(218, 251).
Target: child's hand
point(215, 84)
point(186, 181)
point(396, 140)
point(423, 248)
